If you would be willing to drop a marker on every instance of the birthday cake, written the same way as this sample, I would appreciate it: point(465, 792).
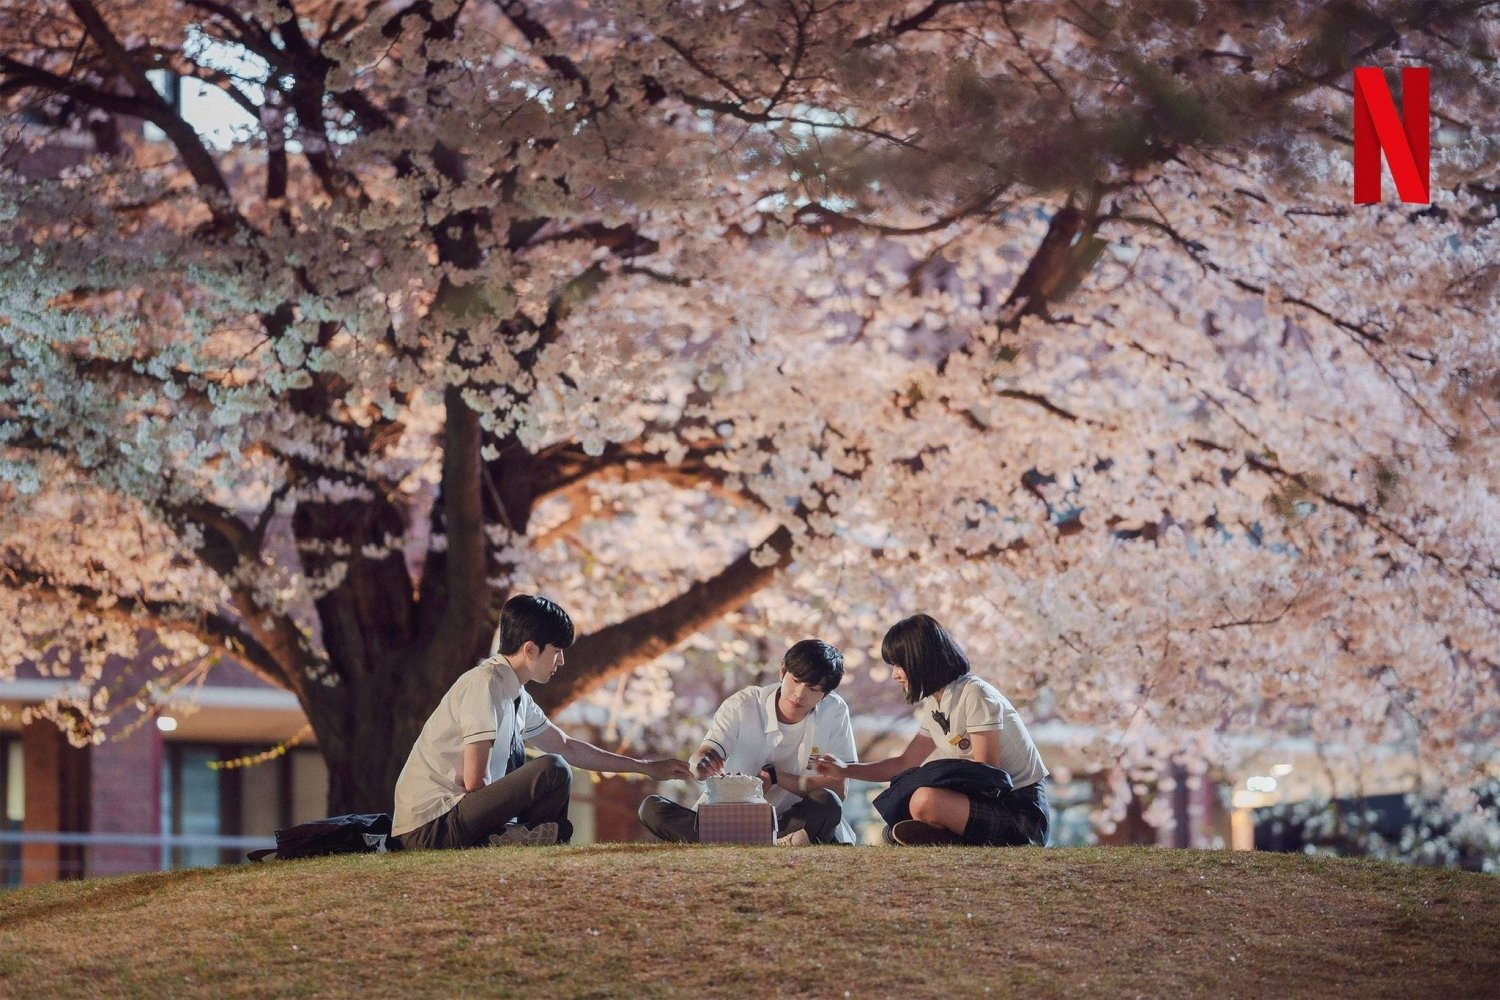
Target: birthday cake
point(728, 788)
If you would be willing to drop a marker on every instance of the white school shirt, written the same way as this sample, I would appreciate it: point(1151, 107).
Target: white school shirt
point(974, 705)
point(746, 732)
point(481, 705)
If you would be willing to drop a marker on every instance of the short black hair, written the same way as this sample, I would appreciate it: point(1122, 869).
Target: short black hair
point(815, 663)
point(926, 653)
point(528, 618)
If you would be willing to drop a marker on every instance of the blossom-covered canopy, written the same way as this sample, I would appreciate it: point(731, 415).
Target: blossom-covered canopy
point(1054, 320)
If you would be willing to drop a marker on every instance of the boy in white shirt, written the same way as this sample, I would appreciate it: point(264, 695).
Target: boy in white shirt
point(466, 782)
point(773, 731)
point(961, 718)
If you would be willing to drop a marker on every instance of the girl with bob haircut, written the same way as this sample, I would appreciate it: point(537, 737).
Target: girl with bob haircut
point(983, 782)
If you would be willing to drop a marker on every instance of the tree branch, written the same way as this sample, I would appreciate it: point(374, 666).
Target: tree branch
point(567, 465)
point(632, 468)
point(212, 628)
point(189, 146)
point(1364, 515)
point(913, 22)
point(618, 649)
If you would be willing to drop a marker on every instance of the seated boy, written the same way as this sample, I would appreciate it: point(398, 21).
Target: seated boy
point(771, 731)
point(466, 782)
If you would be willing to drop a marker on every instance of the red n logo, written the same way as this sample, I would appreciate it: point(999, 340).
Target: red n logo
point(1404, 139)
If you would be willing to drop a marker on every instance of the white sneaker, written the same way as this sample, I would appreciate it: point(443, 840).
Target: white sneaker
point(518, 835)
point(797, 838)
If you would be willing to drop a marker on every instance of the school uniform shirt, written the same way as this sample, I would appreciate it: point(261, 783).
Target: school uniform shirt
point(481, 705)
point(973, 705)
point(745, 730)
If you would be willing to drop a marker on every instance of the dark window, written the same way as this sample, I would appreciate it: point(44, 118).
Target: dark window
point(253, 801)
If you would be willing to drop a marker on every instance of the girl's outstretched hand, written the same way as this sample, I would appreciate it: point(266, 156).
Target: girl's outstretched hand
point(827, 765)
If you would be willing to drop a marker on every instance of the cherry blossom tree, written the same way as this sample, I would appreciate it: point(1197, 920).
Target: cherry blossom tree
point(1055, 320)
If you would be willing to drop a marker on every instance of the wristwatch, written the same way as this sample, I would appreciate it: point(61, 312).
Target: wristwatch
point(771, 770)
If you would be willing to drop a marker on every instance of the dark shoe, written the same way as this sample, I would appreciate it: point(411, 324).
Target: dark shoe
point(885, 835)
point(915, 833)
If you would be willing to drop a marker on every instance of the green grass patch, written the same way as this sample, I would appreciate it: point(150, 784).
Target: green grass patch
point(638, 920)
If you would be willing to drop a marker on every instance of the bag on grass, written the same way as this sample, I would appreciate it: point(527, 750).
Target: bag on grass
point(359, 833)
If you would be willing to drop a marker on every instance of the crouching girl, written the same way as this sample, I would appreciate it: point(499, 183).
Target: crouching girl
point(983, 782)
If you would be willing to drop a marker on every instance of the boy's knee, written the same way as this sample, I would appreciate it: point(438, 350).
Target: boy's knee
point(555, 770)
point(649, 809)
point(826, 801)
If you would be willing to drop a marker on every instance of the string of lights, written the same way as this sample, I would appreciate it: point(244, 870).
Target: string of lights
point(250, 760)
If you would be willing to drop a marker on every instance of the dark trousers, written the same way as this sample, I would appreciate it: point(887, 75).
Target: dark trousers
point(536, 792)
point(819, 813)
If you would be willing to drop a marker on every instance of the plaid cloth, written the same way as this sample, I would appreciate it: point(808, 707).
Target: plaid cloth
point(1015, 819)
point(736, 823)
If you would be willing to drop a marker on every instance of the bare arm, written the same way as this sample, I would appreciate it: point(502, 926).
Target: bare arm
point(476, 763)
point(581, 753)
point(880, 770)
point(987, 747)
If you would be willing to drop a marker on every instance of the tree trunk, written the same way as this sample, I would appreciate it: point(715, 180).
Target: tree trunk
point(366, 731)
point(366, 728)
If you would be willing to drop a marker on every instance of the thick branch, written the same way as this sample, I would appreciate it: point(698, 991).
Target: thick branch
point(821, 218)
point(228, 543)
point(213, 629)
point(189, 146)
point(567, 465)
point(618, 649)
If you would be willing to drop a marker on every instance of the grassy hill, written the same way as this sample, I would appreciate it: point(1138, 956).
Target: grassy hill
point(628, 921)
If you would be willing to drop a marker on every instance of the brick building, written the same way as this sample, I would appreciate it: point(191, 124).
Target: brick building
point(151, 780)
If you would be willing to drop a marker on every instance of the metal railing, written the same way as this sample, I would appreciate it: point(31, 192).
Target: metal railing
point(86, 855)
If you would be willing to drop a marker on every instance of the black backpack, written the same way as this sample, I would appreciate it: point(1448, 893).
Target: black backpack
point(361, 833)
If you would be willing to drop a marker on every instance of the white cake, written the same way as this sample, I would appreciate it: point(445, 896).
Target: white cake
point(726, 788)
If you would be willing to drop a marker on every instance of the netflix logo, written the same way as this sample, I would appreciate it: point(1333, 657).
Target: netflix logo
point(1403, 138)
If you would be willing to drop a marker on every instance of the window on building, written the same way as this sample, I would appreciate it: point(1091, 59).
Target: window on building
point(12, 808)
point(254, 801)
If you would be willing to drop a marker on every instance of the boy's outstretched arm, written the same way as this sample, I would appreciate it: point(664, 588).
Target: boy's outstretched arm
point(581, 753)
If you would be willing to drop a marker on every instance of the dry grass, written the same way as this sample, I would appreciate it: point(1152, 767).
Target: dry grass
point(634, 921)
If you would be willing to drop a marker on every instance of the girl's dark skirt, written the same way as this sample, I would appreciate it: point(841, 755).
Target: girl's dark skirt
point(1015, 819)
